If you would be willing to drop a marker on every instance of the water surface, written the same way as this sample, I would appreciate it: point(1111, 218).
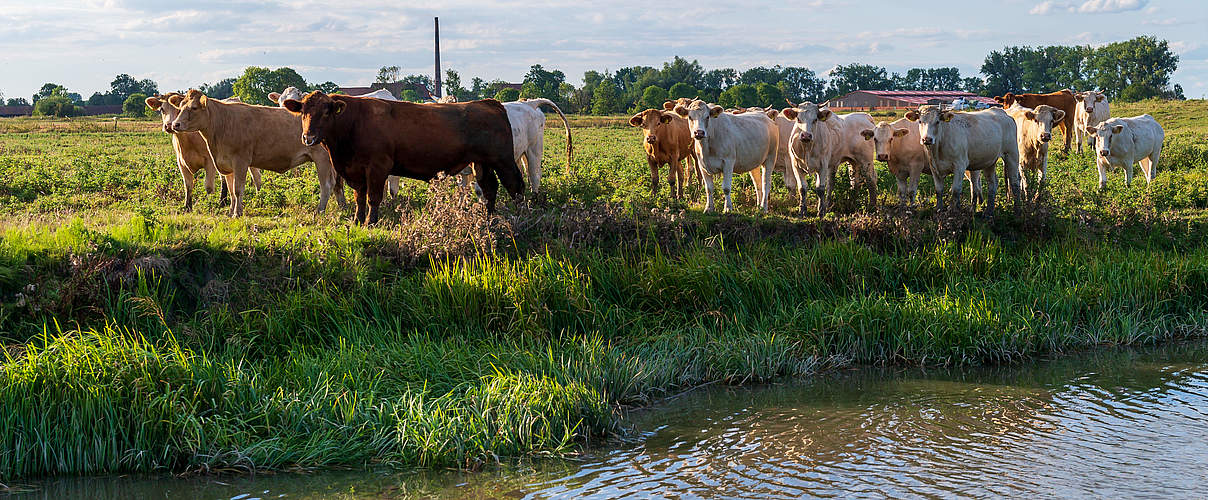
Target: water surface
point(1108, 423)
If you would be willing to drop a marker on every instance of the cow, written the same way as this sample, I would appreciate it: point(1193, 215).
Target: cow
point(1034, 129)
point(1092, 110)
point(899, 145)
point(959, 142)
point(1125, 141)
point(670, 106)
point(528, 135)
point(241, 136)
point(784, 160)
point(192, 154)
point(1062, 99)
point(821, 141)
point(667, 141)
point(727, 144)
point(370, 139)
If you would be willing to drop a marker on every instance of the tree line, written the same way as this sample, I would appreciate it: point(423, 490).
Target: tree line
point(1130, 70)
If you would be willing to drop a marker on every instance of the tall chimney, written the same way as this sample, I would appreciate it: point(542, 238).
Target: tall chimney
point(437, 92)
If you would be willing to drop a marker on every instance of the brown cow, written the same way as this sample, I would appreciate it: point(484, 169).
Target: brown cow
point(241, 136)
point(1062, 100)
point(192, 155)
point(667, 142)
point(370, 139)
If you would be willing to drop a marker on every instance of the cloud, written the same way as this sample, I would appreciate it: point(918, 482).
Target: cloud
point(1109, 6)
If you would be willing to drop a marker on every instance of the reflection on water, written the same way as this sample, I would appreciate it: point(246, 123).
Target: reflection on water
point(1115, 423)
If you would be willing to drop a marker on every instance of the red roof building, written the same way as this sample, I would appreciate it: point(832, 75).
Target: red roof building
point(897, 99)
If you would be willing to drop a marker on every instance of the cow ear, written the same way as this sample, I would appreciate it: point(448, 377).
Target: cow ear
point(682, 111)
point(636, 120)
point(665, 117)
point(946, 116)
point(669, 105)
point(912, 116)
point(154, 103)
point(773, 113)
point(175, 100)
point(203, 100)
point(715, 110)
point(790, 113)
point(293, 105)
point(1116, 129)
point(1026, 114)
point(338, 107)
point(1099, 98)
point(1078, 97)
point(866, 133)
point(274, 96)
point(1058, 116)
point(900, 132)
point(1091, 130)
point(823, 114)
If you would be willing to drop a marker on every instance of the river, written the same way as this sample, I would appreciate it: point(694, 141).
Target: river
point(1118, 422)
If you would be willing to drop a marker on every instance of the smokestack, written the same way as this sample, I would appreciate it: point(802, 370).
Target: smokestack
point(437, 93)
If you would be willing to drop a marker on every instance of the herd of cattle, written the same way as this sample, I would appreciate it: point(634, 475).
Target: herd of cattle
point(369, 141)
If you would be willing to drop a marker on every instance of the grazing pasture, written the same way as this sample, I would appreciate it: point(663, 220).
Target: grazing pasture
point(160, 340)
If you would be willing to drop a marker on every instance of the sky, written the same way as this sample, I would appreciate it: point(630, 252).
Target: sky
point(84, 44)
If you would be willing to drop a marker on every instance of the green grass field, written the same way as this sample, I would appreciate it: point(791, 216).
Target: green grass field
point(141, 338)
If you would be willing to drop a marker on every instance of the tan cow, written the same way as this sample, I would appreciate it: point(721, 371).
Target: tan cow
point(821, 142)
point(1034, 129)
point(667, 141)
point(241, 136)
point(900, 146)
point(192, 155)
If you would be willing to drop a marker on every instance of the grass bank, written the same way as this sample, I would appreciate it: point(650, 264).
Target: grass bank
point(139, 338)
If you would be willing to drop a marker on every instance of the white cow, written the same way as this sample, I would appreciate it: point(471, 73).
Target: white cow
point(728, 144)
point(1125, 141)
point(900, 146)
point(528, 135)
point(1034, 129)
point(959, 142)
point(784, 160)
point(1091, 110)
point(821, 141)
point(392, 182)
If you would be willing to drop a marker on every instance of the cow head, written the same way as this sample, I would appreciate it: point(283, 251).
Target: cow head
point(699, 113)
point(1104, 134)
point(651, 122)
point(318, 111)
point(1089, 99)
point(194, 114)
point(1047, 116)
point(1006, 99)
point(682, 101)
point(166, 105)
point(882, 136)
point(932, 122)
point(285, 95)
point(807, 116)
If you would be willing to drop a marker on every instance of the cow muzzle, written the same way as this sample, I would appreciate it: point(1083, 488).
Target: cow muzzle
point(650, 139)
point(927, 141)
point(1104, 153)
point(882, 157)
point(309, 140)
point(806, 137)
point(176, 127)
point(1046, 137)
point(698, 134)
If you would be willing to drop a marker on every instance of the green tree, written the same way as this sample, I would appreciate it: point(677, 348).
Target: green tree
point(801, 84)
point(720, 79)
point(739, 96)
point(135, 105)
point(409, 95)
point(20, 101)
point(453, 85)
point(325, 87)
point(47, 90)
point(507, 94)
point(388, 74)
point(682, 89)
point(844, 79)
point(1134, 69)
point(55, 105)
point(679, 70)
point(478, 86)
point(539, 82)
point(221, 89)
point(256, 83)
point(653, 97)
point(768, 95)
point(604, 99)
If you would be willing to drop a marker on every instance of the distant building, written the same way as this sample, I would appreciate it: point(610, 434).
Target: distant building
point(7, 111)
point(898, 99)
point(395, 88)
point(10, 111)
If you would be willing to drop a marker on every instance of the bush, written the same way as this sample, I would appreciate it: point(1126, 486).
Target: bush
point(682, 89)
point(135, 105)
point(56, 105)
point(507, 95)
point(653, 97)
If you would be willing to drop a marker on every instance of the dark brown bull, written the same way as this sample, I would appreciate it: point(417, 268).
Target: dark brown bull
point(1063, 100)
point(370, 139)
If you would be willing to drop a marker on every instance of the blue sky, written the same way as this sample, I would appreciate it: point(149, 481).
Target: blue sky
point(83, 44)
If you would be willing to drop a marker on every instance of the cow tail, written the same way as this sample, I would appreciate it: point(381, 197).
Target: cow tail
point(566, 124)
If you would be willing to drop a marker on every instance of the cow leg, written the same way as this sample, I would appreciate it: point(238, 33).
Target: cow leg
point(329, 181)
point(708, 181)
point(509, 176)
point(677, 178)
point(374, 196)
point(1128, 173)
point(869, 173)
point(490, 188)
point(532, 164)
point(902, 190)
point(1067, 135)
point(939, 191)
point(798, 175)
point(255, 177)
point(1010, 168)
point(362, 204)
point(392, 183)
point(654, 175)
point(958, 175)
point(766, 170)
point(224, 193)
point(1152, 170)
point(991, 190)
point(975, 187)
point(727, 179)
point(186, 174)
point(1102, 165)
point(237, 187)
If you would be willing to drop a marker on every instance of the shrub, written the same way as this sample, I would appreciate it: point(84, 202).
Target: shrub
point(56, 105)
point(135, 105)
point(507, 95)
